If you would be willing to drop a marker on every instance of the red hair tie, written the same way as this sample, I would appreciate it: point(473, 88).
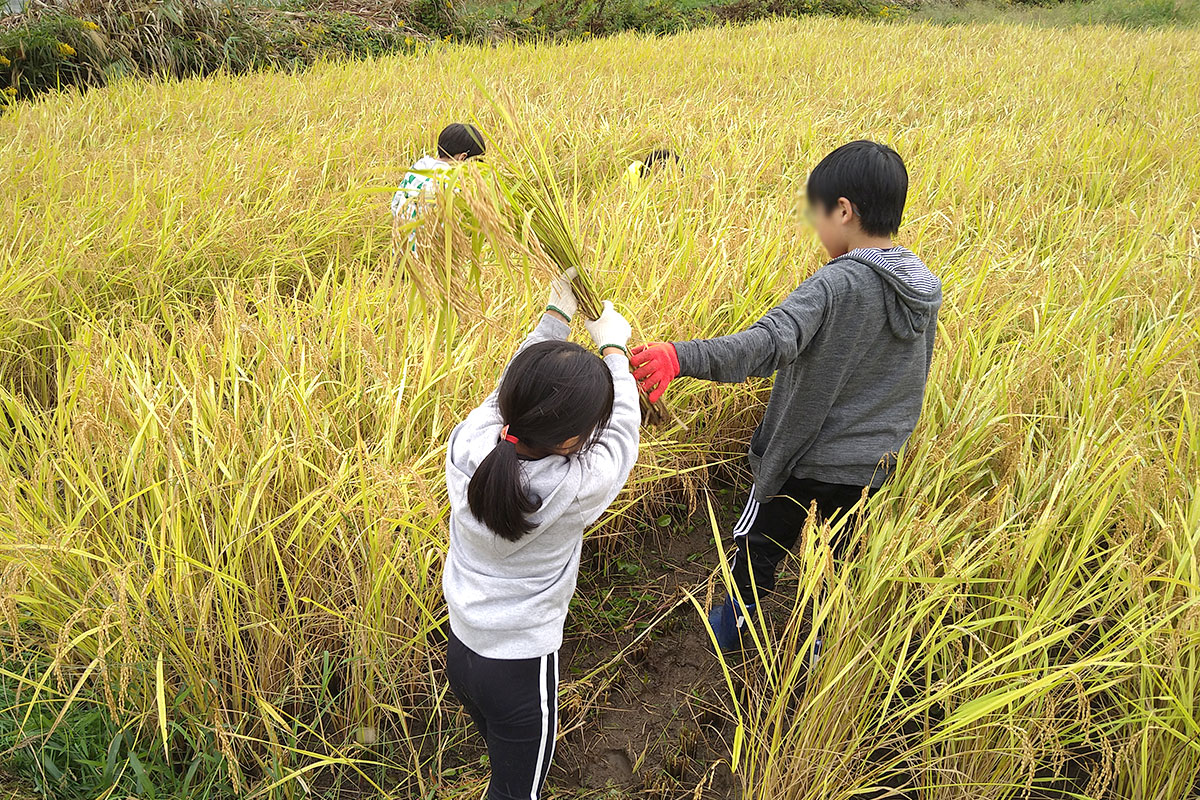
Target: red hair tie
point(506, 436)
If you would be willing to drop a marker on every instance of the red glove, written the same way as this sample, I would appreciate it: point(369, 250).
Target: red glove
point(654, 366)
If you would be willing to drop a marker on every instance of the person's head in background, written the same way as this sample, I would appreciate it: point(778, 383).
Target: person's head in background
point(459, 141)
point(555, 398)
point(856, 197)
point(656, 159)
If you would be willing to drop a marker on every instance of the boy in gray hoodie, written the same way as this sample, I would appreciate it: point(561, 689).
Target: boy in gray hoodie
point(850, 351)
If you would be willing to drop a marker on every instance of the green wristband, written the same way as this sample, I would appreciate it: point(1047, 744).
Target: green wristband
point(620, 347)
point(558, 310)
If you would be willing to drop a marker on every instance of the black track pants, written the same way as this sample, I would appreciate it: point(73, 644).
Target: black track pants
point(766, 532)
point(514, 704)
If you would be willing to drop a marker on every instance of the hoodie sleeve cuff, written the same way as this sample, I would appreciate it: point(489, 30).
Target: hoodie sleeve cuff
point(687, 353)
point(618, 363)
point(551, 327)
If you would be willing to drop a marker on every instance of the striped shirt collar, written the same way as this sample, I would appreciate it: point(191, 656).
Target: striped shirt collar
point(901, 262)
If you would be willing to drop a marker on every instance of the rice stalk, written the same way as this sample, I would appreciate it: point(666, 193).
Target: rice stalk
point(223, 407)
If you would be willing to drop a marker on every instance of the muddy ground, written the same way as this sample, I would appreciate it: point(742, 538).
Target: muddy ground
point(655, 727)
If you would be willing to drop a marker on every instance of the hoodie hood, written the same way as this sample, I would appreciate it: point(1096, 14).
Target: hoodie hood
point(553, 483)
point(916, 292)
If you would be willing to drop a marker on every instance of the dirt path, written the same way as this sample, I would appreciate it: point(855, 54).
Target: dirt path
point(643, 713)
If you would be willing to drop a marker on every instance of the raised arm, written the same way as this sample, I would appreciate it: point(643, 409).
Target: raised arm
point(550, 326)
point(608, 461)
point(554, 324)
point(610, 458)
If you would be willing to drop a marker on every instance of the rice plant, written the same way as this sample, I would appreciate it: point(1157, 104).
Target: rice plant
point(225, 404)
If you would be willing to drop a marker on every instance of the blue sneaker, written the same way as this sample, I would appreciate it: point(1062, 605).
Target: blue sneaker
point(727, 621)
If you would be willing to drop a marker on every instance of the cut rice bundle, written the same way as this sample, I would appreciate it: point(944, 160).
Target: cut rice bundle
point(482, 219)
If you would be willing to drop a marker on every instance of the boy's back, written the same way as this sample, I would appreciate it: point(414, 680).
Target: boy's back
point(850, 350)
point(417, 187)
point(457, 142)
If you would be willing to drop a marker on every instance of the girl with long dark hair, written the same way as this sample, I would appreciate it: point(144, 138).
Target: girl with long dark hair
point(527, 472)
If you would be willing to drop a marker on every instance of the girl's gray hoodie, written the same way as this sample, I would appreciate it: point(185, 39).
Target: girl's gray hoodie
point(507, 599)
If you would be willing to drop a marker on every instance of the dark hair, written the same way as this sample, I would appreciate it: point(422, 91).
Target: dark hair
point(459, 139)
point(655, 157)
point(868, 174)
point(551, 392)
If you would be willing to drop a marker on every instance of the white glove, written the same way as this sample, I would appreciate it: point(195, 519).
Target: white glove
point(611, 330)
point(562, 296)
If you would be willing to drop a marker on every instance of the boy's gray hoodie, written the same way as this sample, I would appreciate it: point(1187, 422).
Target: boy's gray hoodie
point(850, 350)
point(507, 599)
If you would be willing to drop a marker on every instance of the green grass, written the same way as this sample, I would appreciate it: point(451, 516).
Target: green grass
point(1125, 13)
point(84, 752)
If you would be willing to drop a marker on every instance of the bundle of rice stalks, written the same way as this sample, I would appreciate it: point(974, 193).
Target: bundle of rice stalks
point(483, 219)
point(439, 238)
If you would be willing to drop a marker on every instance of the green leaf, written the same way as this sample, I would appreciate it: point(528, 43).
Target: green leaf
point(51, 768)
point(114, 752)
point(144, 786)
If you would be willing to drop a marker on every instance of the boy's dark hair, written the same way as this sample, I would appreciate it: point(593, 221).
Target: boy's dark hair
point(655, 157)
point(461, 139)
point(551, 392)
point(868, 174)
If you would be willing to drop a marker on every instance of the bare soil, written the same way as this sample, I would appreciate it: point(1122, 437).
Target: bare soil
point(651, 724)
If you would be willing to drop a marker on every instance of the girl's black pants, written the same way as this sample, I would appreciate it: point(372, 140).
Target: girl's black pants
point(514, 704)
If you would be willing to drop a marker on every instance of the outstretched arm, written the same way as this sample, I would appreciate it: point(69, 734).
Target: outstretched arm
point(773, 342)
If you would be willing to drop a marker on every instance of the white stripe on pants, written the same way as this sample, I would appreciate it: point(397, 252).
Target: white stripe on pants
point(537, 771)
point(744, 523)
point(749, 514)
point(549, 695)
point(552, 703)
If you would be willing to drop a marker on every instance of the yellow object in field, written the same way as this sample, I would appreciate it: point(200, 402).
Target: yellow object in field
point(634, 175)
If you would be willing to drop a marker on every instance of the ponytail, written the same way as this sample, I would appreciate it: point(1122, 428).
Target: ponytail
point(497, 496)
point(552, 392)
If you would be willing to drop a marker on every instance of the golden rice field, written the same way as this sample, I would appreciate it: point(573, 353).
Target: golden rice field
point(224, 414)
